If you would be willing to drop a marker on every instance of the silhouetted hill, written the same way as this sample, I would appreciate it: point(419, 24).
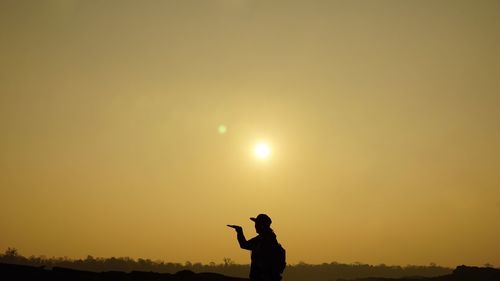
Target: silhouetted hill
point(298, 272)
point(461, 273)
point(24, 272)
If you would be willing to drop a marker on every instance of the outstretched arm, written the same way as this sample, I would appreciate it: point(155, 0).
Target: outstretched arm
point(244, 243)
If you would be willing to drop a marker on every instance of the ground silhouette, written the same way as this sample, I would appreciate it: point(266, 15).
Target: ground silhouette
point(461, 273)
point(24, 272)
point(298, 272)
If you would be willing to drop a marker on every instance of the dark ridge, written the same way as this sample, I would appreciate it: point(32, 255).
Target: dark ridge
point(461, 273)
point(475, 273)
point(24, 272)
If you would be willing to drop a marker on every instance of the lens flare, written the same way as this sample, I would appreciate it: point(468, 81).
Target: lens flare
point(222, 129)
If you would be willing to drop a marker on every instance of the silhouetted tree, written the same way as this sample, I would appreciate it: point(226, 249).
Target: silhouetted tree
point(11, 252)
point(228, 262)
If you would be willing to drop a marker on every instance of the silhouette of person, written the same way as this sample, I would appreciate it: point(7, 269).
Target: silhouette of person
point(261, 268)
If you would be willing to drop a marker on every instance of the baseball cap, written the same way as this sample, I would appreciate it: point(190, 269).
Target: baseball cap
point(262, 218)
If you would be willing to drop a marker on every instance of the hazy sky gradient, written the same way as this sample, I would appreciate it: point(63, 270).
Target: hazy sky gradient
point(384, 118)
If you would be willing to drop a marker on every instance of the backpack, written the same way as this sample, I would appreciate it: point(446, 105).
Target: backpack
point(278, 257)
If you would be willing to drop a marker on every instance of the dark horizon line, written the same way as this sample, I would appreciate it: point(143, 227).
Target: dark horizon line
point(13, 253)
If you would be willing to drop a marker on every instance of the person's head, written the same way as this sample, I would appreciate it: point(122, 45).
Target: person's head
point(262, 223)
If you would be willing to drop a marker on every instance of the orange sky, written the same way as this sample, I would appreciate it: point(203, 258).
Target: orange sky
point(383, 117)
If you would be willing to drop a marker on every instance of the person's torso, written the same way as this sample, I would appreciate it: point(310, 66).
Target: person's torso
point(261, 266)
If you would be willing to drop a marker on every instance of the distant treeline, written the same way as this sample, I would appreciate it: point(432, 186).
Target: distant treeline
point(298, 272)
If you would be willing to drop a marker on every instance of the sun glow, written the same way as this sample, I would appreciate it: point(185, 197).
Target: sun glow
point(262, 150)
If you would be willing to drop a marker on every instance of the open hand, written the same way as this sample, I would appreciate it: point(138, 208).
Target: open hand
point(236, 227)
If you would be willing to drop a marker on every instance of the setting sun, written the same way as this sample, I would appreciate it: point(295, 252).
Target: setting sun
point(262, 150)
